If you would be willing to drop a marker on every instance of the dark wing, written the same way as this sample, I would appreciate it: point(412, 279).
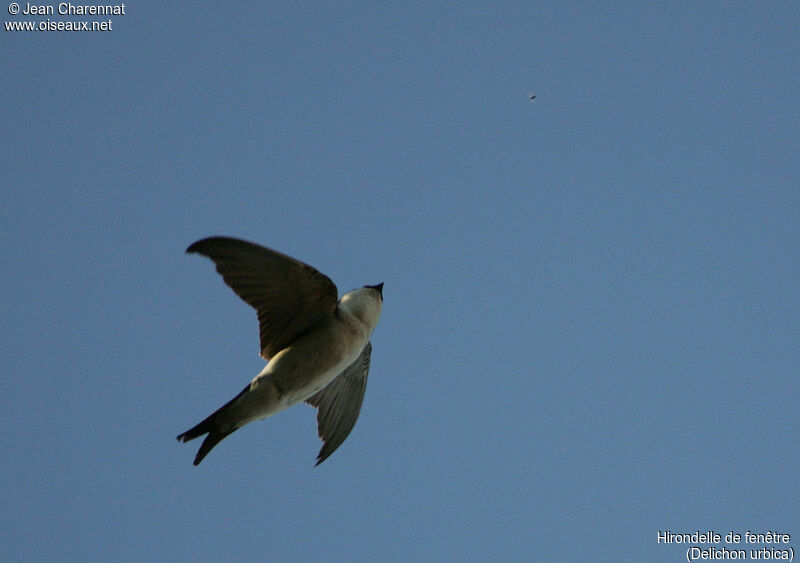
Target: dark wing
point(288, 295)
point(339, 404)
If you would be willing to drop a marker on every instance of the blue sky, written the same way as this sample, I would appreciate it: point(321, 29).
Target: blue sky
point(590, 329)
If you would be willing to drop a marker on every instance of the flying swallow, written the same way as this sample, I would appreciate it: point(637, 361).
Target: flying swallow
point(317, 347)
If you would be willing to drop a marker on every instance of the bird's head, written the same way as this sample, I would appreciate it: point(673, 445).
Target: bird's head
point(365, 303)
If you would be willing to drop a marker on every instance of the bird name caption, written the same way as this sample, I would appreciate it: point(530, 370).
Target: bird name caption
point(66, 9)
point(735, 545)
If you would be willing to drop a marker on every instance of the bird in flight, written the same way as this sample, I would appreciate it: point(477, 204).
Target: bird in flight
point(317, 346)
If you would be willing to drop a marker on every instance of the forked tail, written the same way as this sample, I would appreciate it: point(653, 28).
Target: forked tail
point(212, 425)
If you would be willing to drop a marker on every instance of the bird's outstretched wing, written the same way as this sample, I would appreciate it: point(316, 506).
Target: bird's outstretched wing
point(340, 403)
point(288, 295)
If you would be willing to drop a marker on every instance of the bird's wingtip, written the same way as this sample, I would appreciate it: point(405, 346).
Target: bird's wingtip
point(197, 245)
point(202, 245)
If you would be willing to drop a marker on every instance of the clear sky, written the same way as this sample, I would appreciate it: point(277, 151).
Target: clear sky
point(591, 316)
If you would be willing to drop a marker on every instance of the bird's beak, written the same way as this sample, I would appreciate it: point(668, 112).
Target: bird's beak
point(379, 288)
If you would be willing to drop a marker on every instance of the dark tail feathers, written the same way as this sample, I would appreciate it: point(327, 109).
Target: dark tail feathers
point(211, 426)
